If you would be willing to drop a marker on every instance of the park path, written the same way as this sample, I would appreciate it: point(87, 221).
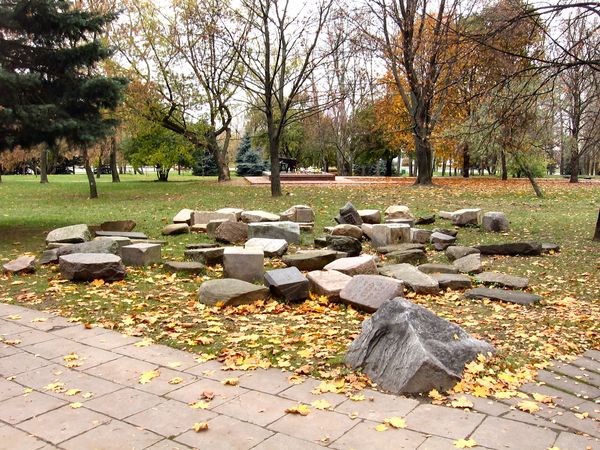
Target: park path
point(99, 403)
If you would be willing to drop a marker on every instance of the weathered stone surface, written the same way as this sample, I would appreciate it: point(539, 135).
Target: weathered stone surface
point(521, 298)
point(245, 264)
point(408, 222)
point(405, 348)
point(468, 264)
point(236, 211)
point(207, 216)
point(320, 242)
point(425, 220)
point(271, 247)
point(208, 256)
point(502, 279)
point(95, 246)
point(184, 216)
point(349, 214)
point(128, 234)
point(496, 222)
point(147, 241)
point(120, 240)
point(230, 292)
point(346, 229)
point(92, 266)
point(299, 213)
point(437, 268)
point(462, 217)
point(310, 260)
point(288, 283)
point(199, 228)
point(400, 247)
point(231, 232)
point(511, 249)
point(53, 245)
point(447, 231)
point(372, 216)
point(412, 277)
point(356, 265)
point(549, 248)
point(175, 228)
point(345, 244)
point(201, 245)
point(420, 236)
point(458, 251)
point(441, 241)
point(454, 281)
point(118, 225)
point(22, 264)
point(368, 292)
point(211, 227)
point(70, 234)
point(289, 231)
point(49, 256)
point(327, 282)
point(141, 254)
point(390, 234)
point(398, 212)
point(259, 216)
point(306, 227)
point(414, 257)
point(184, 266)
point(367, 230)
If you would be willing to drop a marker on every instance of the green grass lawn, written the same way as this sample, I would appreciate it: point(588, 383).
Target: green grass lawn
point(311, 338)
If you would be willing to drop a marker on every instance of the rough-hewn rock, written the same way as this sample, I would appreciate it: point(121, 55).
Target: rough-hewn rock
point(420, 236)
point(191, 267)
point(92, 266)
point(412, 277)
point(496, 222)
point(259, 216)
point(468, 264)
point(207, 216)
point(320, 242)
point(327, 282)
point(349, 214)
point(141, 254)
point(405, 348)
point(368, 292)
point(346, 229)
point(95, 246)
point(400, 247)
point(128, 234)
point(462, 217)
point(390, 234)
point(398, 212)
point(367, 230)
point(232, 232)
point(230, 292)
point(502, 279)
point(549, 248)
point(356, 265)
point(454, 281)
point(299, 214)
point(521, 298)
point(458, 251)
point(175, 228)
point(345, 244)
point(447, 231)
point(290, 231)
point(70, 234)
point(288, 283)
point(425, 220)
point(120, 240)
point(310, 260)
point(408, 222)
point(208, 256)
point(49, 256)
point(414, 257)
point(511, 249)
point(199, 228)
point(211, 227)
point(22, 264)
point(235, 211)
point(183, 216)
point(372, 216)
point(118, 225)
point(437, 268)
point(441, 241)
point(245, 264)
point(271, 247)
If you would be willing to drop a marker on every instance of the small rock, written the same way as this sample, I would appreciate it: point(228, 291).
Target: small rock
point(349, 214)
point(457, 251)
point(118, 225)
point(231, 232)
point(511, 249)
point(22, 264)
point(367, 230)
point(447, 231)
point(327, 282)
point(299, 214)
point(442, 241)
point(414, 257)
point(49, 257)
point(310, 260)
point(184, 266)
point(347, 230)
point(368, 292)
point(175, 228)
point(502, 279)
point(245, 264)
point(259, 216)
point(468, 264)
point(271, 247)
point(437, 268)
point(495, 222)
point(290, 231)
point(92, 266)
point(141, 254)
point(370, 216)
point(412, 277)
point(454, 281)
point(288, 283)
point(208, 256)
point(345, 244)
point(398, 212)
point(183, 216)
point(70, 234)
point(521, 298)
point(425, 220)
point(230, 292)
point(420, 236)
point(356, 265)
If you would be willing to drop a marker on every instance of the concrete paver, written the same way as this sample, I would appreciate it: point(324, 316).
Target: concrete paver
point(194, 392)
point(115, 435)
point(364, 437)
point(25, 406)
point(124, 403)
point(168, 444)
point(570, 441)
point(12, 438)
point(282, 441)
point(444, 422)
point(496, 432)
point(379, 406)
point(318, 426)
point(255, 407)
point(9, 389)
point(20, 362)
point(302, 393)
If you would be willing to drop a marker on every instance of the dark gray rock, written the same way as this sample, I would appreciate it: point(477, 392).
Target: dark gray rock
point(437, 268)
point(230, 292)
point(184, 266)
point(290, 231)
point(212, 225)
point(446, 231)
point(414, 257)
point(175, 228)
point(127, 234)
point(495, 222)
point(400, 248)
point(442, 241)
point(310, 260)
point(521, 298)
point(71, 234)
point(345, 244)
point(349, 214)
point(22, 264)
point(288, 283)
point(468, 264)
point(231, 232)
point(412, 277)
point(511, 249)
point(420, 236)
point(141, 254)
point(299, 214)
point(245, 264)
point(49, 257)
point(370, 216)
point(95, 246)
point(454, 281)
point(92, 266)
point(405, 348)
point(548, 248)
point(458, 251)
point(368, 292)
point(208, 256)
point(425, 220)
point(320, 242)
point(502, 279)
point(118, 225)
point(201, 245)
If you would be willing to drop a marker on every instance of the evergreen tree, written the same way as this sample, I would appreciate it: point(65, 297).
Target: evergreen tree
point(48, 88)
point(245, 147)
point(248, 160)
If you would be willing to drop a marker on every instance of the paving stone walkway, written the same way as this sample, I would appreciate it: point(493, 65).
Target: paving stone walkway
point(99, 403)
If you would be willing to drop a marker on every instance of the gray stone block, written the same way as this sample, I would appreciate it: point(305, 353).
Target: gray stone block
point(243, 264)
point(288, 283)
point(141, 254)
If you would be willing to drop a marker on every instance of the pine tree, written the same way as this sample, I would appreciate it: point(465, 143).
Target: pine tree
point(48, 88)
point(245, 146)
point(248, 160)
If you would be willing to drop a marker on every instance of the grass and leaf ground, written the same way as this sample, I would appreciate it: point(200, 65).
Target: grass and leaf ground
point(311, 338)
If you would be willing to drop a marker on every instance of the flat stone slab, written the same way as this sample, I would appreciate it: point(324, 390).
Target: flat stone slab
point(70, 234)
point(287, 283)
point(209, 256)
point(118, 225)
point(201, 245)
point(127, 234)
point(141, 254)
point(184, 216)
point(184, 266)
point(511, 249)
point(437, 268)
point(348, 214)
point(454, 281)
point(299, 213)
point(357, 265)
point(310, 260)
point(206, 216)
point(103, 245)
point(398, 212)
point(412, 277)
point(230, 292)
point(245, 264)
point(502, 279)
point(345, 229)
point(22, 264)
point(441, 241)
point(271, 247)
point(236, 211)
point(327, 282)
point(458, 251)
point(176, 228)
point(290, 231)
point(368, 292)
point(370, 216)
point(400, 247)
point(413, 257)
point(92, 266)
point(520, 298)
point(259, 216)
point(468, 264)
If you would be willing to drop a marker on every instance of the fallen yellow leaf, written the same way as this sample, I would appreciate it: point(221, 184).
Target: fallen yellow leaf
point(542, 398)
point(146, 377)
point(303, 410)
point(461, 402)
point(200, 426)
point(200, 405)
point(144, 343)
point(396, 422)
point(321, 404)
point(231, 381)
point(73, 392)
point(76, 405)
point(175, 380)
point(381, 427)
point(357, 397)
point(528, 406)
point(465, 443)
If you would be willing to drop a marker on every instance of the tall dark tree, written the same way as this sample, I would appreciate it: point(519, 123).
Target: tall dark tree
point(48, 87)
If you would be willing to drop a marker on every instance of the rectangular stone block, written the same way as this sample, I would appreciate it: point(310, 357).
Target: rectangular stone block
point(244, 264)
point(207, 216)
point(141, 254)
point(290, 231)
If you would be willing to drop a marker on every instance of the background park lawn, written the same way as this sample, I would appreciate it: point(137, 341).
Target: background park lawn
point(311, 338)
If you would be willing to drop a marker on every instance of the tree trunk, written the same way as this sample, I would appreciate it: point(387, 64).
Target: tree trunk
point(597, 232)
point(90, 174)
point(531, 178)
point(388, 166)
point(574, 164)
point(444, 168)
point(162, 174)
point(44, 164)
point(423, 161)
point(275, 178)
point(503, 165)
point(114, 170)
point(220, 154)
point(466, 160)
point(410, 167)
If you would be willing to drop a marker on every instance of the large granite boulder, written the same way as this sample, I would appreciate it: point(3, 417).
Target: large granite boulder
point(141, 254)
point(405, 348)
point(259, 216)
point(92, 266)
point(288, 283)
point(176, 228)
point(183, 216)
point(496, 222)
point(511, 249)
point(398, 212)
point(468, 264)
point(231, 232)
point(70, 234)
point(345, 244)
point(118, 225)
point(368, 292)
point(95, 246)
point(349, 214)
point(271, 247)
point(230, 292)
point(245, 264)
point(22, 264)
point(327, 282)
point(458, 251)
point(370, 216)
point(520, 298)
point(502, 279)
point(299, 214)
point(346, 229)
point(412, 277)
point(357, 265)
point(290, 231)
point(310, 260)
